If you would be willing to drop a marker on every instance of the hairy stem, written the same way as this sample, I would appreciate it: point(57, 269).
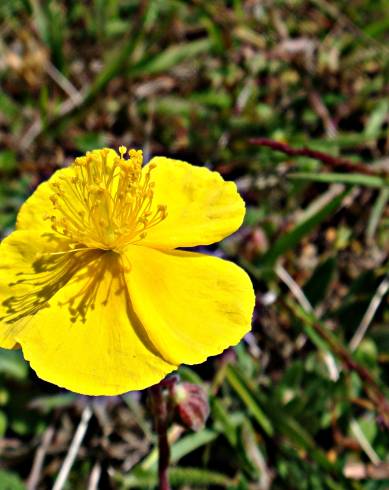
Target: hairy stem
point(331, 161)
point(160, 413)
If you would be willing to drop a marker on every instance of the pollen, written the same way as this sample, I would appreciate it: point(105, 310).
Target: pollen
point(107, 202)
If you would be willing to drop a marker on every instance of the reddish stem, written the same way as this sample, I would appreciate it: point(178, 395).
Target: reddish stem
point(331, 161)
point(160, 412)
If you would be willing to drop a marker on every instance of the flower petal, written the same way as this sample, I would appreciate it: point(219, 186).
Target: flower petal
point(202, 208)
point(192, 305)
point(21, 257)
point(34, 211)
point(74, 320)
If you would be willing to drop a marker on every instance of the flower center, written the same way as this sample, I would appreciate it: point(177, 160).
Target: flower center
point(107, 202)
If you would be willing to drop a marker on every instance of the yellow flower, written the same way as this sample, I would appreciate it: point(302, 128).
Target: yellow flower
point(93, 287)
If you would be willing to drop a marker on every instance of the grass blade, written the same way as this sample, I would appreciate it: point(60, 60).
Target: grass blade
point(292, 238)
point(249, 401)
point(342, 178)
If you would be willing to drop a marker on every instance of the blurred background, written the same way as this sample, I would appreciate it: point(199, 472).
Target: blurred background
point(300, 403)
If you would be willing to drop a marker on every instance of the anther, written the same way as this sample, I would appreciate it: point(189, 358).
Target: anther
point(122, 151)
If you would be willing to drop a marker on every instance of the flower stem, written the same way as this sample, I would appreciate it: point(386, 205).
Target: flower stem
point(160, 413)
point(331, 161)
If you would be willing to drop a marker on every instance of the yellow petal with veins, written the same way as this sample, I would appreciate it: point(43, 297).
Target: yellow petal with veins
point(34, 212)
point(202, 208)
point(21, 255)
point(192, 305)
point(73, 317)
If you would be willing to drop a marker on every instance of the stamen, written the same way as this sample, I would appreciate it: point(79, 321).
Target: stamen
point(107, 203)
point(67, 251)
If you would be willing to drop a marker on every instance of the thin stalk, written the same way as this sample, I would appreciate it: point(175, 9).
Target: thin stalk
point(160, 413)
point(331, 161)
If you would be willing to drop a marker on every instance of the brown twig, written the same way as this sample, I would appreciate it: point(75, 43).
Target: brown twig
point(338, 163)
point(35, 475)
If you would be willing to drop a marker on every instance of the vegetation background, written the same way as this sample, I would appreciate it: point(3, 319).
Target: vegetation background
point(300, 403)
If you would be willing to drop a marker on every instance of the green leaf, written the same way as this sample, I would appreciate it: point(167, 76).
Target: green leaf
point(377, 212)
point(249, 401)
point(8, 107)
point(90, 141)
point(188, 374)
point(293, 237)
point(281, 420)
point(50, 23)
point(223, 420)
point(12, 364)
point(178, 476)
point(8, 161)
point(3, 424)
point(189, 443)
point(317, 286)
point(169, 58)
point(116, 61)
point(342, 178)
point(48, 403)
point(10, 481)
point(377, 119)
point(181, 448)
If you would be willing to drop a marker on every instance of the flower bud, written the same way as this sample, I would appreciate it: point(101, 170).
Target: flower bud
point(190, 405)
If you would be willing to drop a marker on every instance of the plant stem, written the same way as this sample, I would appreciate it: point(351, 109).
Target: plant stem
point(160, 413)
point(331, 161)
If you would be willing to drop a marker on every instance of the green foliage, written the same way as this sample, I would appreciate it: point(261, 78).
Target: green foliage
point(291, 406)
point(9, 481)
point(12, 364)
